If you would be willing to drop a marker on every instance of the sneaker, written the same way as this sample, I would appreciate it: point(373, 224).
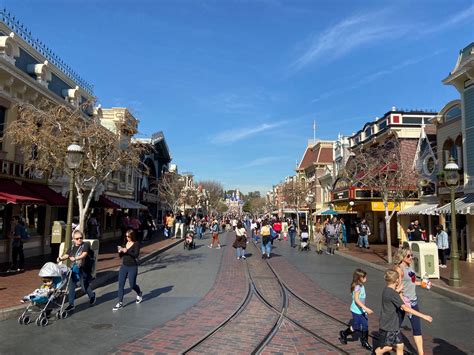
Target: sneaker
point(139, 298)
point(118, 306)
point(70, 308)
point(92, 300)
point(243, 257)
point(238, 258)
point(210, 246)
point(218, 247)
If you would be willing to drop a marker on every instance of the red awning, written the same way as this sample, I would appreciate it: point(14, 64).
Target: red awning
point(52, 197)
point(11, 192)
point(104, 202)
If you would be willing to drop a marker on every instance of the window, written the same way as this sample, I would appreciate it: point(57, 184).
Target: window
point(3, 111)
point(453, 113)
point(368, 132)
point(382, 124)
point(412, 120)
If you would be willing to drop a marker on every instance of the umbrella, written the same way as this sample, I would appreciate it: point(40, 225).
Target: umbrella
point(329, 212)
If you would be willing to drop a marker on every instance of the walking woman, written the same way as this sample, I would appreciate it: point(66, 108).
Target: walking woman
point(128, 268)
point(402, 262)
point(240, 242)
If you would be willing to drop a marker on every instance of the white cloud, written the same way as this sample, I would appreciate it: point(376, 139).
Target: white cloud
point(262, 161)
point(236, 134)
point(461, 17)
point(374, 76)
point(348, 35)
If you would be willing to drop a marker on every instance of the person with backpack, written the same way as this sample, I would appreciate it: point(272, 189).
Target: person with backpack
point(363, 231)
point(215, 234)
point(82, 257)
point(332, 231)
point(266, 244)
point(18, 234)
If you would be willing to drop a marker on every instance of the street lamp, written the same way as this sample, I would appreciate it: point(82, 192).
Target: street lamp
point(73, 161)
point(451, 177)
point(309, 201)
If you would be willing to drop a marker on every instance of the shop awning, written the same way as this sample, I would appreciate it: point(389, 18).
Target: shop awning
point(52, 197)
point(462, 205)
point(326, 212)
point(104, 202)
point(127, 204)
point(11, 192)
point(420, 209)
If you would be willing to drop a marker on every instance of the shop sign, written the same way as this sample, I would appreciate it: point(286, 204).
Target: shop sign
point(379, 206)
point(340, 208)
point(341, 195)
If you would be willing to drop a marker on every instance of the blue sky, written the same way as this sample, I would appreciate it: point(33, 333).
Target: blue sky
point(236, 84)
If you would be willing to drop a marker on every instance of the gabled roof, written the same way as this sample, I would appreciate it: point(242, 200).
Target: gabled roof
point(320, 153)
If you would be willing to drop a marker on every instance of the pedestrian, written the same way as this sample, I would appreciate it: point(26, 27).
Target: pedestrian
point(360, 312)
point(81, 255)
point(240, 242)
point(363, 231)
point(277, 228)
point(318, 236)
point(266, 245)
point(304, 231)
point(343, 232)
point(135, 224)
point(199, 228)
point(129, 268)
point(93, 227)
point(443, 245)
point(292, 232)
point(382, 230)
point(179, 226)
point(148, 226)
point(16, 232)
point(215, 234)
point(392, 308)
point(332, 233)
point(407, 275)
point(416, 231)
point(169, 225)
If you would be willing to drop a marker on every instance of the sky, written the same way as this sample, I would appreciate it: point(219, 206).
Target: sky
point(235, 85)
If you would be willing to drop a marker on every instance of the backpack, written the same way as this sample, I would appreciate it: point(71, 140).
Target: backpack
point(24, 233)
point(331, 230)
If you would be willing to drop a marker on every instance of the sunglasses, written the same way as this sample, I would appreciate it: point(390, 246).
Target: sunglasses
point(78, 238)
point(409, 256)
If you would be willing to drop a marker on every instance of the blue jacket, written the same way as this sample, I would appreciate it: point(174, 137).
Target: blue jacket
point(442, 240)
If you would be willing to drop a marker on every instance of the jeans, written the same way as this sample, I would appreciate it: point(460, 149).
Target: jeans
point(363, 241)
point(240, 252)
point(85, 280)
point(199, 232)
point(442, 256)
point(292, 235)
point(266, 248)
point(360, 322)
point(17, 252)
point(131, 272)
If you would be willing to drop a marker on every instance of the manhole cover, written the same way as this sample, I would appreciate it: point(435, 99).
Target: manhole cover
point(102, 326)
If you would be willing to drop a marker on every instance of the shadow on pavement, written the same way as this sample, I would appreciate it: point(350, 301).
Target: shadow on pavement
point(443, 347)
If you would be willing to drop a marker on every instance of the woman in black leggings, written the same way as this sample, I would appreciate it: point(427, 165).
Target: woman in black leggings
point(128, 268)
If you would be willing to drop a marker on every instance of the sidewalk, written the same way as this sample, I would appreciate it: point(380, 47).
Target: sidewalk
point(376, 257)
point(14, 286)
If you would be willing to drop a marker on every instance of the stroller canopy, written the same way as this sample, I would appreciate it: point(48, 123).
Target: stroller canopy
point(51, 270)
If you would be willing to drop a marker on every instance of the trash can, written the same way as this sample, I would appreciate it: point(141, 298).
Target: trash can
point(425, 259)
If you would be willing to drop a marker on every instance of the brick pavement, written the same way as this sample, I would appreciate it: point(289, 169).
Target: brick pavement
point(312, 293)
point(229, 290)
point(377, 254)
point(13, 286)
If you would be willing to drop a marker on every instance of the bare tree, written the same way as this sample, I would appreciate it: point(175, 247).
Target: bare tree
point(44, 131)
point(189, 197)
point(381, 168)
point(294, 193)
point(215, 192)
point(170, 188)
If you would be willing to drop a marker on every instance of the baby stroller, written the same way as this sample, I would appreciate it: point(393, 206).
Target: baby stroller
point(304, 242)
point(189, 241)
point(43, 301)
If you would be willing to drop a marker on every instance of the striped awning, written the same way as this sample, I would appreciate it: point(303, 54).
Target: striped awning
point(126, 203)
point(462, 205)
point(421, 209)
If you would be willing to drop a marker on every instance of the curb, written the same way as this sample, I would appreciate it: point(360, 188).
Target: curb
point(15, 311)
point(444, 291)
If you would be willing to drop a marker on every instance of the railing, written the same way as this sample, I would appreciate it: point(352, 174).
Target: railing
point(26, 35)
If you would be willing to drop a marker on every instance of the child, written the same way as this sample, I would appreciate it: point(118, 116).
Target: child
point(215, 235)
point(42, 292)
point(359, 310)
point(392, 305)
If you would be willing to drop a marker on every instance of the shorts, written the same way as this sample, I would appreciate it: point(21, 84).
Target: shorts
point(215, 236)
point(414, 320)
point(389, 338)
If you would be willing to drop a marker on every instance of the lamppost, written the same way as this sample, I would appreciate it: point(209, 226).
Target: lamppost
point(451, 177)
point(309, 201)
point(73, 160)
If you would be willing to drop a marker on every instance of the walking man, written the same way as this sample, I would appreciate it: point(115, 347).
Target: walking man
point(363, 231)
